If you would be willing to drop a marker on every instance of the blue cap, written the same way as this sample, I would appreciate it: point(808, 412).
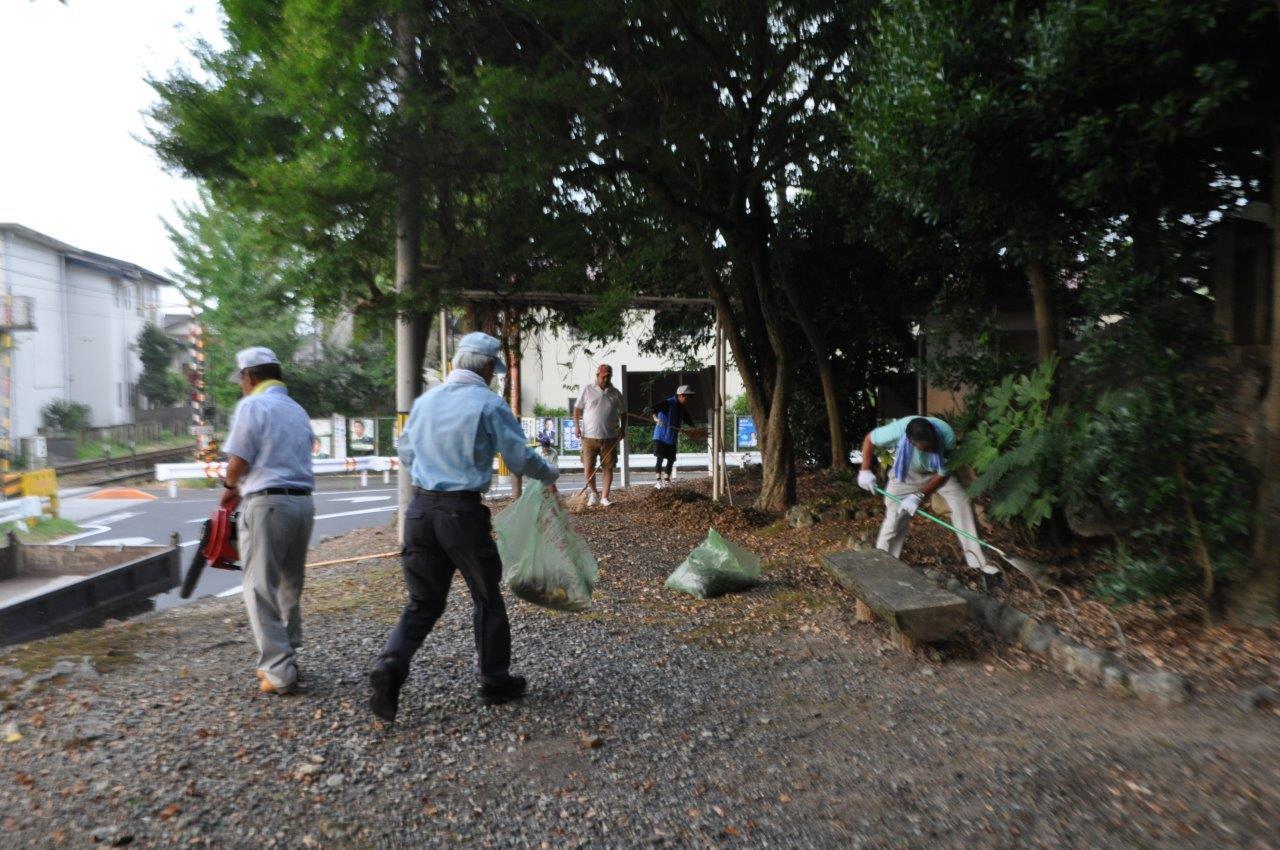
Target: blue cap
point(482, 343)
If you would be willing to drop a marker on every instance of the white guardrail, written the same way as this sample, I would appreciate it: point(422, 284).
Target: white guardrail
point(14, 510)
point(333, 466)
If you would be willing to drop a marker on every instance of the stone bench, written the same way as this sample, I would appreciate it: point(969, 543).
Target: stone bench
point(915, 608)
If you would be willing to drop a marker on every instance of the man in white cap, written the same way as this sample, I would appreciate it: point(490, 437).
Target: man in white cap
point(269, 476)
point(669, 417)
point(448, 445)
point(597, 418)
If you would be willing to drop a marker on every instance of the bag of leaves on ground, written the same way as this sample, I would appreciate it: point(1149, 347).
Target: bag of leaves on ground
point(716, 566)
point(543, 561)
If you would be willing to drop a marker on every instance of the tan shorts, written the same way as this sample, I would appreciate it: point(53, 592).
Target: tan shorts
point(605, 451)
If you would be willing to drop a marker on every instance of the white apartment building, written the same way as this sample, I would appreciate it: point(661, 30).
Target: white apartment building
point(89, 310)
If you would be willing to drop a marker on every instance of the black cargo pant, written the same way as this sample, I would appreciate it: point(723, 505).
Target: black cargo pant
point(444, 532)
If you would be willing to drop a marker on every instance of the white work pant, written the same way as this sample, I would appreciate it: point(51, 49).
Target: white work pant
point(272, 536)
point(893, 533)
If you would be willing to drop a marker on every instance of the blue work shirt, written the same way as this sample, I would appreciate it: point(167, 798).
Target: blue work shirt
point(272, 433)
point(452, 434)
point(671, 415)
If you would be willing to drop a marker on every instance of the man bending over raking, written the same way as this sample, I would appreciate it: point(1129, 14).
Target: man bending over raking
point(919, 470)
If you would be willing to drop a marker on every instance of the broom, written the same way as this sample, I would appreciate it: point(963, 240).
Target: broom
point(578, 501)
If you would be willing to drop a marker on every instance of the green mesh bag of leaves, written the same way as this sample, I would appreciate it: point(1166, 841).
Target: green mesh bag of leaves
point(543, 561)
point(716, 567)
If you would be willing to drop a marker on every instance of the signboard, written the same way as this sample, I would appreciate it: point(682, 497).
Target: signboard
point(362, 438)
point(339, 437)
point(201, 430)
point(745, 434)
point(569, 438)
point(321, 439)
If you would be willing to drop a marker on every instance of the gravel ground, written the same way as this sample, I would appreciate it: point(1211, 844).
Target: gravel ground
point(767, 719)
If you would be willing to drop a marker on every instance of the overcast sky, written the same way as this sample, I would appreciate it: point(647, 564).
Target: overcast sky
point(72, 161)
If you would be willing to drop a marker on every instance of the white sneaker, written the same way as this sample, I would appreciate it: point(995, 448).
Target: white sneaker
point(658, 485)
point(592, 499)
point(604, 503)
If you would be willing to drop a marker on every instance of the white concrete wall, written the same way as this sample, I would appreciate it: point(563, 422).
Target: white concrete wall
point(555, 365)
point(39, 357)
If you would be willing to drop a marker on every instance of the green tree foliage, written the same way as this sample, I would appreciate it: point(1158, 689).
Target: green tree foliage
point(231, 272)
point(691, 113)
point(156, 351)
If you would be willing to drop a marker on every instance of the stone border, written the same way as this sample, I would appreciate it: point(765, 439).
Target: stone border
point(1099, 668)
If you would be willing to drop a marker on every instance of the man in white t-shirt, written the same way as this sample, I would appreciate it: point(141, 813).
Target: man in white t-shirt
point(597, 418)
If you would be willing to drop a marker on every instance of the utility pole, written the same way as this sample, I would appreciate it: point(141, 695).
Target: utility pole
point(408, 220)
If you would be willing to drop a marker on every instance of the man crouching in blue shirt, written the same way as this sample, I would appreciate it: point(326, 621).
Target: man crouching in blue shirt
point(448, 446)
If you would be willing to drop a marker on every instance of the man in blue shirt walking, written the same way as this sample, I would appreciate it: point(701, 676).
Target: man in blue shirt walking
point(669, 417)
point(447, 446)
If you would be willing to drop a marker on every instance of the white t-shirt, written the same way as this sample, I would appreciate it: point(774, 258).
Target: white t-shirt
point(601, 409)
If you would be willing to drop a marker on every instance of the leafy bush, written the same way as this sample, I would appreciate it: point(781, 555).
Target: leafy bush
point(1017, 445)
point(1131, 578)
point(66, 416)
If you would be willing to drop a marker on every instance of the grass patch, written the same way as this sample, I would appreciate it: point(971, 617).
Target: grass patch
point(98, 449)
point(42, 530)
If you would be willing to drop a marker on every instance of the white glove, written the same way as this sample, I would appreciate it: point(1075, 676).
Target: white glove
point(867, 480)
point(911, 504)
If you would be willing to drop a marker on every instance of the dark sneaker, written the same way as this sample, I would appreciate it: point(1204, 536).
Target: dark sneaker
point(502, 690)
point(384, 684)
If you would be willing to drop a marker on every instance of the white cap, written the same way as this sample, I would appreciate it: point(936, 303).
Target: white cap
point(683, 389)
point(255, 356)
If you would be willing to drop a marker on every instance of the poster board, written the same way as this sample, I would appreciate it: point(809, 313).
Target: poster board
point(321, 439)
point(569, 436)
point(745, 433)
point(362, 436)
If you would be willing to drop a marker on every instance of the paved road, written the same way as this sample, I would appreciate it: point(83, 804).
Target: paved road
point(150, 516)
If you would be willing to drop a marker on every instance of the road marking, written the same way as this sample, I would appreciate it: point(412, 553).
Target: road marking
point(120, 517)
point(358, 499)
point(188, 543)
point(89, 531)
point(232, 592)
point(382, 510)
point(125, 541)
point(122, 493)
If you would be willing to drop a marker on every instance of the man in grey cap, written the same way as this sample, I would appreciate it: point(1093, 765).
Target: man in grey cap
point(448, 444)
point(269, 476)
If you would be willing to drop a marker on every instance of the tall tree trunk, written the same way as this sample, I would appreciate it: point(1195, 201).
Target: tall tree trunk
point(766, 393)
point(816, 339)
point(1256, 600)
point(1042, 303)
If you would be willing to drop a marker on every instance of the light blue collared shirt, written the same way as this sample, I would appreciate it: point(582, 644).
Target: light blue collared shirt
point(453, 432)
point(890, 435)
point(272, 433)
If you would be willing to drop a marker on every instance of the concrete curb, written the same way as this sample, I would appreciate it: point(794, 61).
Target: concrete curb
point(1083, 663)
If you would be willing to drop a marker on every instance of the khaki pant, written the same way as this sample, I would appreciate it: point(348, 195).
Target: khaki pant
point(604, 450)
point(893, 533)
point(273, 535)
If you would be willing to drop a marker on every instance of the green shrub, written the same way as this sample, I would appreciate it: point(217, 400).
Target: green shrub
point(65, 417)
point(1131, 578)
point(1017, 445)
